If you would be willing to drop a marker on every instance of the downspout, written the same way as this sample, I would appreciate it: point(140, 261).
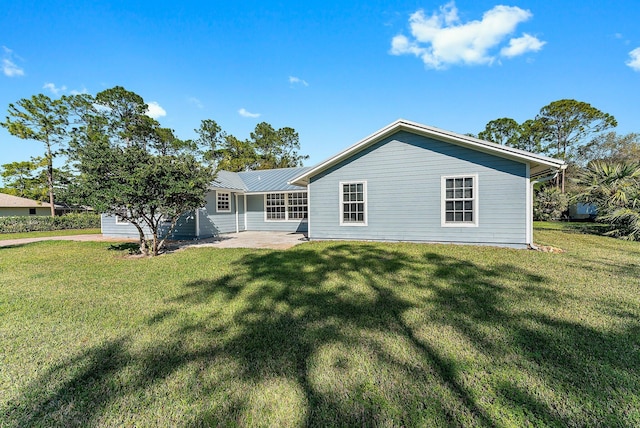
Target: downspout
point(309, 211)
point(530, 197)
point(197, 223)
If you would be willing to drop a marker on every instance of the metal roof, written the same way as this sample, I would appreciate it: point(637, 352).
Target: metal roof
point(267, 180)
point(10, 201)
point(228, 180)
point(264, 180)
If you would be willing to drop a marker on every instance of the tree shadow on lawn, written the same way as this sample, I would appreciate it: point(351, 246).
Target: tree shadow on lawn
point(354, 334)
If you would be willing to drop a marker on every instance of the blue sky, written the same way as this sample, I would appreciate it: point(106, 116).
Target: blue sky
point(335, 71)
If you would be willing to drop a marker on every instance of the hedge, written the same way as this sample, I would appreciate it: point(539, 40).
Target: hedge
point(44, 224)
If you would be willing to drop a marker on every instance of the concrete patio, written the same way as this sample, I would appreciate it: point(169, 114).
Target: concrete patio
point(248, 239)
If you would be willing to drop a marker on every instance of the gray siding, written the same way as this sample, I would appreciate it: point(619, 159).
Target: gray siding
point(403, 175)
point(256, 221)
point(185, 228)
point(109, 227)
point(218, 222)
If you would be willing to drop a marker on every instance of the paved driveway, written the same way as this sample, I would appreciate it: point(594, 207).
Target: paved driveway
point(96, 237)
point(248, 239)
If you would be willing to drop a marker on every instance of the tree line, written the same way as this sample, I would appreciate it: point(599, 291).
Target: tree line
point(603, 167)
point(121, 161)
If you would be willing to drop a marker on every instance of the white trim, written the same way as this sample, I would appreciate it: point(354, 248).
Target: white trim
point(309, 212)
point(266, 192)
point(223, 192)
point(237, 218)
point(476, 197)
point(225, 189)
point(364, 201)
point(245, 211)
point(436, 133)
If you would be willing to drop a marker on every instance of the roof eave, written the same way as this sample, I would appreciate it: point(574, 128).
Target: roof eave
point(431, 132)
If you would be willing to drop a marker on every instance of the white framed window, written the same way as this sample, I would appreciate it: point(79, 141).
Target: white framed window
point(353, 203)
point(223, 202)
point(286, 206)
point(297, 206)
point(460, 201)
point(121, 216)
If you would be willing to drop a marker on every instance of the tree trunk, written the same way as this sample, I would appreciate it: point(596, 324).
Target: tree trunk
point(50, 180)
point(143, 242)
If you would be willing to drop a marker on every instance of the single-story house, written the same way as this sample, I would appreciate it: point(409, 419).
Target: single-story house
point(405, 182)
point(16, 206)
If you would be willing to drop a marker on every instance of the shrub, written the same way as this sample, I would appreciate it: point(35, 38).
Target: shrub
point(549, 204)
point(44, 224)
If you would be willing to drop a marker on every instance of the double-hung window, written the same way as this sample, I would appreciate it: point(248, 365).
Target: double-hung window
point(353, 203)
point(286, 206)
point(297, 205)
point(121, 216)
point(459, 201)
point(223, 202)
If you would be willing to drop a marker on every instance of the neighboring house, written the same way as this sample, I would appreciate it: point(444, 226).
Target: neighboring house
point(16, 206)
point(406, 182)
point(583, 211)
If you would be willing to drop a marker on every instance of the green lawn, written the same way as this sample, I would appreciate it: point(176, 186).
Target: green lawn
point(64, 232)
point(324, 334)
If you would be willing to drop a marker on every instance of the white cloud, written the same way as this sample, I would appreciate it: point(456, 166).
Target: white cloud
point(296, 80)
point(634, 59)
point(155, 111)
point(9, 68)
point(244, 113)
point(520, 45)
point(442, 39)
point(79, 92)
point(54, 89)
point(196, 102)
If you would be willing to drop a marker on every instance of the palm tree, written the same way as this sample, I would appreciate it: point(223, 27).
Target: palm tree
point(615, 189)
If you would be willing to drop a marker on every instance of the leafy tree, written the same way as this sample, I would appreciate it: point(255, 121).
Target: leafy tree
point(615, 189)
point(530, 136)
point(131, 167)
point(236, 155)
point(568, 123)
point(505, 131)
point(549, 204)
point(610, 147)
point(45, 120)
point(266, 148)
point(276, 149)
point(210, 138)
point(19, 179)
point(28, 179)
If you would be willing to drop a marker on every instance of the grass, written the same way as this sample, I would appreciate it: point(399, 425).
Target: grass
point(573, 226)
point(65, 232)
point(324, 334)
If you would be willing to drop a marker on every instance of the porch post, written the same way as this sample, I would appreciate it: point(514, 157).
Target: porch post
point(245, 212)
point(237, 220)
